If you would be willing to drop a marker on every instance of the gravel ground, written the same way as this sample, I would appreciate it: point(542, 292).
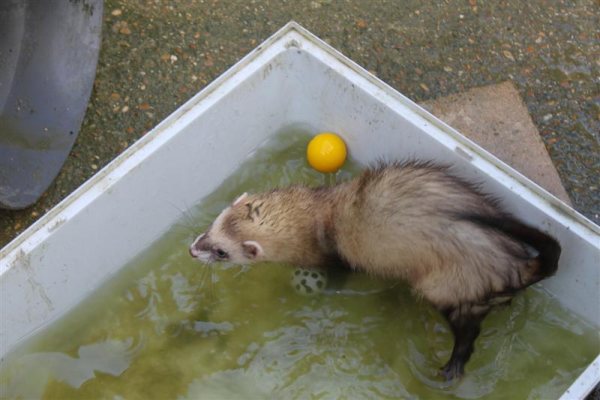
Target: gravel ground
point(157, 54)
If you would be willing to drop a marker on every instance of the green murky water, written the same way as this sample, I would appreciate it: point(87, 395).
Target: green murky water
point(171, 328)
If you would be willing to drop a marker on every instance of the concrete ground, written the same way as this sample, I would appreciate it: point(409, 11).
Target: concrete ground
point(156, 54)
point(495, 117)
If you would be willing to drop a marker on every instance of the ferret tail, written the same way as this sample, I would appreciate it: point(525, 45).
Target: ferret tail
point(547, 247)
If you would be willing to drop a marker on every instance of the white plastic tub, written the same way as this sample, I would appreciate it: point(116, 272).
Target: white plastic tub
point(293, 78)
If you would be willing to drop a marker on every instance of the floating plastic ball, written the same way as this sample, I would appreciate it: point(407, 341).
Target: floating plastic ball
point(326, 152)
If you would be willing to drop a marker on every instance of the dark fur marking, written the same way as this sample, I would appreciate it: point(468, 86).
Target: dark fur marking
point(249, 216)
point(203, 244)
point(466, 326)
point(549, 249)
point(257, 209)
point(230, 226)
point(364, 180)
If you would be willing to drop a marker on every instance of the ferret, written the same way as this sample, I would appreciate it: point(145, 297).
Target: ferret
point(413, 221)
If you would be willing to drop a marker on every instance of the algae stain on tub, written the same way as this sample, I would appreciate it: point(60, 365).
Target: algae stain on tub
point(22, 262)
point(267, 71)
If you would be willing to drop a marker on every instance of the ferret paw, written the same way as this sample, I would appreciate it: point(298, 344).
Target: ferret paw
point(452, 371)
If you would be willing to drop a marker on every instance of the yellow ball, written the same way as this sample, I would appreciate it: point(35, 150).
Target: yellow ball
point(326, 152)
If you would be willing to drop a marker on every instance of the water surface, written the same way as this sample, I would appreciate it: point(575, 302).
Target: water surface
point(170, 327)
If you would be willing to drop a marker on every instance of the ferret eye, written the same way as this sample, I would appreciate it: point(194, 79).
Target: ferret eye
point(220, 253)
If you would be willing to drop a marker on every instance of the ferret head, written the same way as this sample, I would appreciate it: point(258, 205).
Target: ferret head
point(228, 238)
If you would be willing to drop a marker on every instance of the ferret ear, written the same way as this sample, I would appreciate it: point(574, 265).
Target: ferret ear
point(252, 249)
point(240, 198)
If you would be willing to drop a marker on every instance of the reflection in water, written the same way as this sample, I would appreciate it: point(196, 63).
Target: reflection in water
point(303, 360)
point(32, 372)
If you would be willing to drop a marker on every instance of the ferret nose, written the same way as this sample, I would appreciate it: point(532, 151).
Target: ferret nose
point(194, 251)
point(196, 247)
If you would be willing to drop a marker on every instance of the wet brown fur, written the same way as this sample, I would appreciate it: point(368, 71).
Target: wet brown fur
point(413, 221)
